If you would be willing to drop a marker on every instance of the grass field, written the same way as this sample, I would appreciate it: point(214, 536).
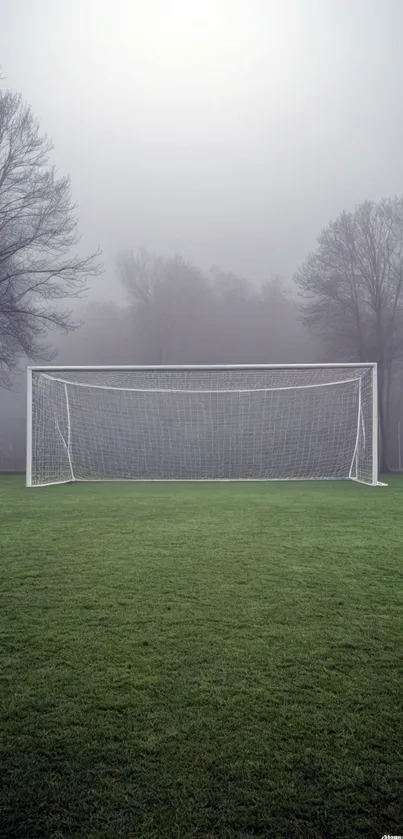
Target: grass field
point(211, 661)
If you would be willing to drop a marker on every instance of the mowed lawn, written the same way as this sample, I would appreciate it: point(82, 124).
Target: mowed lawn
point(201, 660)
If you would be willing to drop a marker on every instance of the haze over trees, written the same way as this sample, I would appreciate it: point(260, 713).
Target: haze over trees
point(177, 312)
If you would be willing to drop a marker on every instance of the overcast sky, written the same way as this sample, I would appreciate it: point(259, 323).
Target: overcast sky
point(228, 130)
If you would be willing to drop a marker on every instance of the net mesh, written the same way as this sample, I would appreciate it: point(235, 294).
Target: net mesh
point(204, 424)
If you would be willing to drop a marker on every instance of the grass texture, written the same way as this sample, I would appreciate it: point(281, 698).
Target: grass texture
point(215, 661)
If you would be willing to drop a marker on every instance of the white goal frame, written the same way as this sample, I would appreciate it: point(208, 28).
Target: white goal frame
point(52, 369)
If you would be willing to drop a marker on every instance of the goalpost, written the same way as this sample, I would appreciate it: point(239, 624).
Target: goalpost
point(202, 423)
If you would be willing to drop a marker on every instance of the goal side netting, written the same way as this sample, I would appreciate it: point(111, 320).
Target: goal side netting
point(201, 424)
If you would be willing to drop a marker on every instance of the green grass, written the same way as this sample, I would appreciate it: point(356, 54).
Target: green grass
point(211, 661)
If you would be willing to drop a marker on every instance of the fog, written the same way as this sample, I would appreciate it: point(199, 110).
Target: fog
point(229, 132)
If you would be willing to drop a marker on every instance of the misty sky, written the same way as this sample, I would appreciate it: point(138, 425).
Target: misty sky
point(228, 130)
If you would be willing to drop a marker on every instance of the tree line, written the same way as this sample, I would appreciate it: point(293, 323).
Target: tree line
point(345, 302)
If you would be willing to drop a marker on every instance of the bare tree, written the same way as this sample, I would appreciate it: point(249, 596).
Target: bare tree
point(352, 290)
point(38, 231)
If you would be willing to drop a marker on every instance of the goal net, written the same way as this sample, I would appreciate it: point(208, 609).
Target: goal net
point(201, 423)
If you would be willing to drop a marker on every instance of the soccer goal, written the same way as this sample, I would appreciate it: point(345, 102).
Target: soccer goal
point(202, 423)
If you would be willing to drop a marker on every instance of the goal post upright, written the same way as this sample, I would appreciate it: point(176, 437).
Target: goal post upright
point(28, 478)
point(375, 428)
